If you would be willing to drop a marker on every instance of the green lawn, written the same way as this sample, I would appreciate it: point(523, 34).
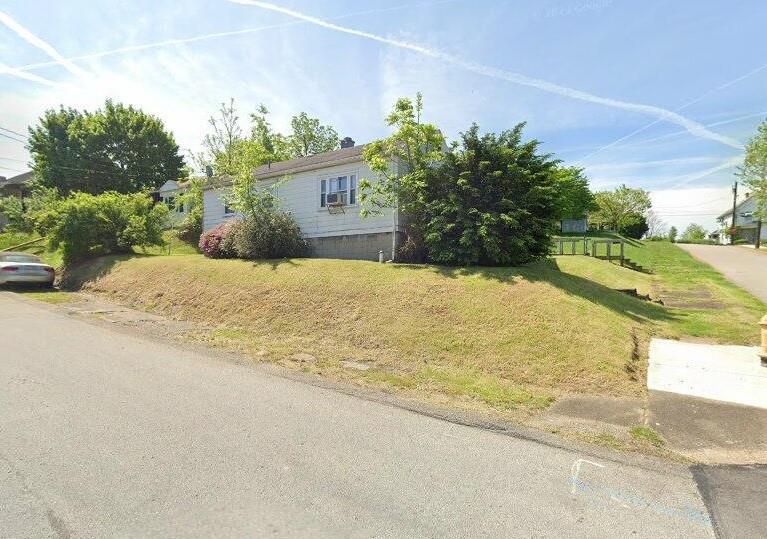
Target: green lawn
point(173, 246)
point(499, 337)
point(507, 339)
point(674, 270)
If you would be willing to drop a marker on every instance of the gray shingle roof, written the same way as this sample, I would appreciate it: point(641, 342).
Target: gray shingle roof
point(300, 164)
point(19, 179)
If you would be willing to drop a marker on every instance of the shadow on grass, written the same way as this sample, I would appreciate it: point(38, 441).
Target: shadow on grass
point(274, 263)
point(548, 271)
point(76, 275)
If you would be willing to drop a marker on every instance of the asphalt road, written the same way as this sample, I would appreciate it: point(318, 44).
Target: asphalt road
point(104, 434)
point(743, 266)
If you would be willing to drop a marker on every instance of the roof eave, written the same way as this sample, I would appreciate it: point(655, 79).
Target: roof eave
point(294, 170)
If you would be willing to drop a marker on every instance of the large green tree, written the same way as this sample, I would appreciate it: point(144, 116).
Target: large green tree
point(620, 208)
point(694, 232)
point(230, 152)
point(417, 147)
point(754, 168)
point(117, 148)
point(492, 201)
point(574, 198)
point(310, 137)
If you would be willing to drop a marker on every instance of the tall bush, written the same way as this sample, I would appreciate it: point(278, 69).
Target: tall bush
point(269, 234)
point(190, 229)
point(218, 241)
point(492, 201)
point(85, 225)
point(23, 215)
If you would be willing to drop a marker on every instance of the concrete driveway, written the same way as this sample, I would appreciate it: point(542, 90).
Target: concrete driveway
point(105, 433)
point(743, 266)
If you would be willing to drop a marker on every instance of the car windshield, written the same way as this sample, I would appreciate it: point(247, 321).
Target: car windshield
point(19, 258)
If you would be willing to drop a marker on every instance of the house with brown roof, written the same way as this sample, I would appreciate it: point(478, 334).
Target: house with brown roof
point(17, 186)
point(322, 193)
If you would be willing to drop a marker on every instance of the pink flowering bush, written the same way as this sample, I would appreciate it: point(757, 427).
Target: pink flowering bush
point(217, 242)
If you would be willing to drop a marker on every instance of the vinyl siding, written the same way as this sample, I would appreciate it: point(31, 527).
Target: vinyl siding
point(300, 195)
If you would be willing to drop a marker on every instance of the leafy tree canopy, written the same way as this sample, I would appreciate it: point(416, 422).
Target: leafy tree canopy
point(492, 201)
point(574, 198)
point(694, 232)
point(116, 148)
point(636, 229)
point(620, 208)
point(309, 137)
point(232, 152)
point(754, 168)
point(418, 147)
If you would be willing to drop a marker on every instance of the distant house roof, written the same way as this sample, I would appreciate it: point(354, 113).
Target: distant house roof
point(301, 164)
point(20, 179)
point(737, 207)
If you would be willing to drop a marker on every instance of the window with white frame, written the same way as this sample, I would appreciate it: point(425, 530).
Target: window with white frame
point(338, 190)
point(170, 201)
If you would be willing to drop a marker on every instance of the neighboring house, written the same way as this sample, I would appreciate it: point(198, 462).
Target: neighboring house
point(575, 225)
point(16, 186)
point(322, 194)
point(168, 194)
point(746, 222)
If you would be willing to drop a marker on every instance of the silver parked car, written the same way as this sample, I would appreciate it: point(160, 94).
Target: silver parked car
point(23, 268)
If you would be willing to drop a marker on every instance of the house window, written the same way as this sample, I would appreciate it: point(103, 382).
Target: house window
point(228, 210)
point(340, 190)
point(170, 202)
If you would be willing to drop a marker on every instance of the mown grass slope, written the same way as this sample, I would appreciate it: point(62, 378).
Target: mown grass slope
point(504, 336)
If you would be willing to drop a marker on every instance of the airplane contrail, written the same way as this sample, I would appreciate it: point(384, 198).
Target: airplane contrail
point(691, 126)
point(35, 41)
point(8, 70)
point(215, 35)
point(726, 164)
point(688, 104)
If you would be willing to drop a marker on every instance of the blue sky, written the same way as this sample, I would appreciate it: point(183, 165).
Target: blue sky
point(583, 74)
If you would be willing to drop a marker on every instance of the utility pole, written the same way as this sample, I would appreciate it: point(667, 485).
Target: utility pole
point(758, 243)
point(734, 205)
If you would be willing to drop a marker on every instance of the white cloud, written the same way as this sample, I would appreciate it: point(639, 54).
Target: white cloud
point(680, 207)
point(693, 127)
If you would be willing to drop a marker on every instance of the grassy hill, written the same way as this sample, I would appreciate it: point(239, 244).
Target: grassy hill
point(510, 336)
point(503, 337)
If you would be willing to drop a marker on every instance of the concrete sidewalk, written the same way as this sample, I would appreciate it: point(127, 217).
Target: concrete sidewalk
point(732, 374)
point(745, 267)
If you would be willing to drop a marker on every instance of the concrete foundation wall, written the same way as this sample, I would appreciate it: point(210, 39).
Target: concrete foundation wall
point(353, 247)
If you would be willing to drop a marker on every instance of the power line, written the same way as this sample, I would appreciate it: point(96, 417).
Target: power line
point(11, 131)
point(691, 205)
point(13, 138)
point(685, 214)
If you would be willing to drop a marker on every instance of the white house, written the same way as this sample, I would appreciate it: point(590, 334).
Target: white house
point(168, 194)
point(322, 194)
point(746, 221)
